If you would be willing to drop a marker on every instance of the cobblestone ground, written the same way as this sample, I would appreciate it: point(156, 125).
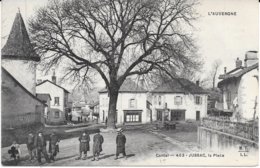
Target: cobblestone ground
point(141, 146)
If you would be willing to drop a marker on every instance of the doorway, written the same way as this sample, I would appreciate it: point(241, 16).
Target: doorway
point(197, 115)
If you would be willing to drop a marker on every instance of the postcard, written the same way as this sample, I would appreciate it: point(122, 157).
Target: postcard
point(129, 83)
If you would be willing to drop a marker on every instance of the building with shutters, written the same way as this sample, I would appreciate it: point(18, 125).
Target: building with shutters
point(182, 98)
point(59, 100)
point(131, 104)
point(239, 88)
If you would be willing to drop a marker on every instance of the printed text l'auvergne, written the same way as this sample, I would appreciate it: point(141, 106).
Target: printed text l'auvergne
point(222, 13)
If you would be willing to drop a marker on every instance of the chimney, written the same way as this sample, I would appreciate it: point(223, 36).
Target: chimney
point(39, 81)
point(225, 70)
point(142, 82)
point(198, 83)
point(238, 63)
point(251, 58)
point(53, 78)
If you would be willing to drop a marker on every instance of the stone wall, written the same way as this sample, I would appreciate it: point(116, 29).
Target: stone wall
point(19, 106)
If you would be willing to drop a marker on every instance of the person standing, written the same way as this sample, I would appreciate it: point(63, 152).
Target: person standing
point(106, 121)
point(40, 144)
point(97, 145)
point(30, 146)
point(53, 145)
point(83, 145)
point(120, 143)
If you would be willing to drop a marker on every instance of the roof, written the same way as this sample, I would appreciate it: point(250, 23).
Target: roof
point(79, 104)
point(18, 45)
point(128, 86)
point(236, 73)
point(22, 87)
point(43, 96)
point(179, 85)
point(53, 84)
point(94, 104)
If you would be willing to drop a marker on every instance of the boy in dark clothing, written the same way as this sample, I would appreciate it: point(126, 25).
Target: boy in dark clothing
point(40, 144)
point(30, 146)
point(120, 143)
point(53, 145)
point(97, 145)
point(83, 145)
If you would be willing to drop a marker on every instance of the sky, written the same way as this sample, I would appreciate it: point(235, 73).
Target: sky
point(217, 37)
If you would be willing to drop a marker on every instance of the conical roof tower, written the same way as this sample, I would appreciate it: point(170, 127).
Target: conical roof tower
point(18, 45)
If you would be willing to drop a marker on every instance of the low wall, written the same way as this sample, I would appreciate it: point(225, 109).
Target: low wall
point(214, 140)
point(20, 120)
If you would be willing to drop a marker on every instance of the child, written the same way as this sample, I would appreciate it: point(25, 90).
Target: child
point(15, 151)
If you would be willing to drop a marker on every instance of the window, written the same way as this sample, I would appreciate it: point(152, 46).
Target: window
point(155, 100)
point(133, 118)
point(198, 100)
point(159, 100)
point(228, 96)
point(177, 100)
point(132, 103)
point(56, 101)
point(229, 99)
point(57, 114)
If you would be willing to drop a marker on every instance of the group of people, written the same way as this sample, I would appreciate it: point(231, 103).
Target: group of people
point(36, 145)
point(98, 140)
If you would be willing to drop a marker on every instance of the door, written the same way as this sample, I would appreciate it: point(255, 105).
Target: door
point(177, 115)
point(197, 115)
point(159, 115)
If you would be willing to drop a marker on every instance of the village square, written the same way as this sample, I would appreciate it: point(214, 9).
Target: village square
point(122, 83)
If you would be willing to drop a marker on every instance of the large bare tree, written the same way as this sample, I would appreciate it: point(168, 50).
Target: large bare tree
point(115, 39)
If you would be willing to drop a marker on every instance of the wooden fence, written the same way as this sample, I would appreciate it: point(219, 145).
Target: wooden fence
point(246, 130)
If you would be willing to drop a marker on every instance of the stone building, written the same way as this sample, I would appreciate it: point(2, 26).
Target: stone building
point(20, 106)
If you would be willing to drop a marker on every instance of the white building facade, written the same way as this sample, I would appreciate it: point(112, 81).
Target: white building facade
point(178, 103)
point(59, 99)
point(131, 104)
point(240, 88)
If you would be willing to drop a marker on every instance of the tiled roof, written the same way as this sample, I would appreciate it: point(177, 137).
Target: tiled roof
point(179, 85)
point(21, 86)
point(128, 86)
point(18, 45)
point(53, 84)
point(238, 73)
point(43, 96)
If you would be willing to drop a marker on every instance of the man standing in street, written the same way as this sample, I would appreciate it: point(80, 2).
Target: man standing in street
point(30, 146)
point(40, 144)
point(83, 145)
point(53, 145)
point(120, 143)
point(97, 145)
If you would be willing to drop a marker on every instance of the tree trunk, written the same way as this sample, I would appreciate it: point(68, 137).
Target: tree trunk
point(113, 95)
